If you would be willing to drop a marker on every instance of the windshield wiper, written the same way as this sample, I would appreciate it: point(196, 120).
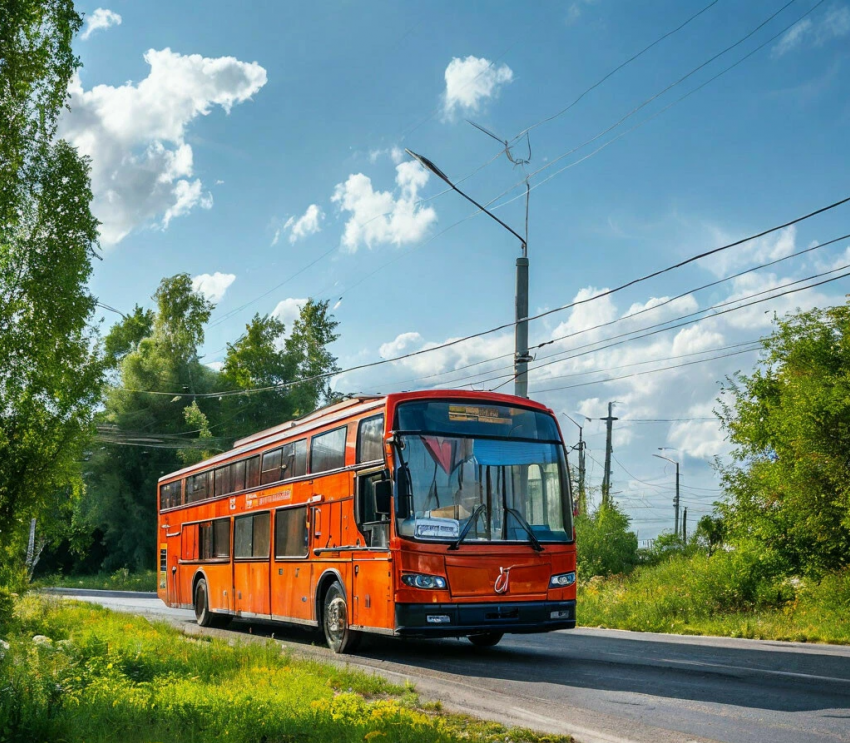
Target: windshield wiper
point(535, 543)
point(476, 512)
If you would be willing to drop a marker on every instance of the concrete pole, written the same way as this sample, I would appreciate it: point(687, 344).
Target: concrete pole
point(676, 501)
point(606, 478)
point(521, 332)
point(582, 498)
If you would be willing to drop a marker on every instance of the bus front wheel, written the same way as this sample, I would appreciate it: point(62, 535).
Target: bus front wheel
point(486, 639)
point(203, 615)
point(339, 636)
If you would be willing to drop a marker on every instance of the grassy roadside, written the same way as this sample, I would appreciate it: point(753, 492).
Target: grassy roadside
point(120, 580)
point(691, 597)
point(103, 676)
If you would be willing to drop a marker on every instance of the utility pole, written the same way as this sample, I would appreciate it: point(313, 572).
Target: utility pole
point(582, 492)
point(606, 478)
point(676, 501)
point(676, 497)
point(685, 526)
point(580, 447)
point(521, 357)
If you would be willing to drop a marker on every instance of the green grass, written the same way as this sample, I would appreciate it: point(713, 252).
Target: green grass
point(111, 677)
point(120, 580)
point(718, 596)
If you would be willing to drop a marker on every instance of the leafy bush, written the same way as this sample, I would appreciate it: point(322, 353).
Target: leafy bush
point(604, 543)
point(739, 593)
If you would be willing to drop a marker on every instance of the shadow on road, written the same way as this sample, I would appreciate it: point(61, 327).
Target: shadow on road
point(783, 680)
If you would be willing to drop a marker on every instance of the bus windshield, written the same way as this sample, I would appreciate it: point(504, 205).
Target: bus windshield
point(486, 473)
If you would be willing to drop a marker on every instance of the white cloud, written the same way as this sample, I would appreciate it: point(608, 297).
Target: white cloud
point(765, 249)
point(288, 311)
point(471, 81)
point(308, 223)
point(793, 38)
point(835, 24)
point(215, 365)
point(142, 166)
point(213, 286)
point(102, 18)
point(396, 154)
point(397, 346)
point(576, 9)
point(378, 217)
point(276, 237)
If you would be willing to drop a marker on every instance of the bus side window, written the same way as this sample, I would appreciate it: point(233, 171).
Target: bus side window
point(271, 466)
point(370, 445)
point(252, 472)
point(206, 540)
point(237, 476)
point(189, 542)
point(252, 535)
point(327, 450)
point(290, 532)
point(373, 526)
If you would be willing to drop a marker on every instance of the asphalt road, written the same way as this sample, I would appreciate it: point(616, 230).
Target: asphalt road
point(602, 685)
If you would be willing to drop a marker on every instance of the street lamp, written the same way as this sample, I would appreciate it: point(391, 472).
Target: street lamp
point(676, 498)
point(521, 357)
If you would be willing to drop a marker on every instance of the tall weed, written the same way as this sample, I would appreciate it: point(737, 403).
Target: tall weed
point(111, 677)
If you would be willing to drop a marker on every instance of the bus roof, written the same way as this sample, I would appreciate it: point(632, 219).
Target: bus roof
point(339, 411)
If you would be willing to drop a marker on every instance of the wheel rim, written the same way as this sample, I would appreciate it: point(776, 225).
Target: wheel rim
point(335, 620)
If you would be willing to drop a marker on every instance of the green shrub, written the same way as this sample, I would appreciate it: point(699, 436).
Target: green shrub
point(107, 677)
point(7, 609)
point(740, 593)
point(604, 544)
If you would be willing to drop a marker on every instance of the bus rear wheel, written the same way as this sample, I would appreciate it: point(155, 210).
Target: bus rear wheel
point(203, 615)
point(486, 639)
point(339, 636)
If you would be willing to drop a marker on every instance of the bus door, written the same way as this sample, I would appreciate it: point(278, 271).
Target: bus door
point(172, 557)
point(372, 582)
point(292, 573)
point(251, 573)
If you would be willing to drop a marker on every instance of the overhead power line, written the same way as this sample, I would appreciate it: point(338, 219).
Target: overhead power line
point(643, 373)
point(677, 82)
point(503, 326)
point(617, 320)
point(615, 71)
point(665, 326)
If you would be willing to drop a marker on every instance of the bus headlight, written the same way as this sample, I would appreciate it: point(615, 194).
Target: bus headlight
point(418, 580)
point(562, 580)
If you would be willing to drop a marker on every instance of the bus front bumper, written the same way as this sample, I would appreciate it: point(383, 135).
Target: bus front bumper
point(457, 620)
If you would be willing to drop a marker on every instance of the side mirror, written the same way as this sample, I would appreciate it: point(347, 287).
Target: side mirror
point(383, 497)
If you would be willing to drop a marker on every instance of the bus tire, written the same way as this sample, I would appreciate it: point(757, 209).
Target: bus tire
point(203, 615)
point(338, 635)
point(486, 639)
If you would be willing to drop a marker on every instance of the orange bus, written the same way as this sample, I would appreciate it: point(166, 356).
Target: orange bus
point(431, 514)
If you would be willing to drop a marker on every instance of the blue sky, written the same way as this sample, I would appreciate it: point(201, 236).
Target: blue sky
point(240, 146)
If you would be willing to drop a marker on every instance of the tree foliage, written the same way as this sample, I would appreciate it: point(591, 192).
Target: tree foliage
point(265, 358)
point(50, 373)
point(126, 335)
point(191, 422)
point(789, 422)
point(604, 542)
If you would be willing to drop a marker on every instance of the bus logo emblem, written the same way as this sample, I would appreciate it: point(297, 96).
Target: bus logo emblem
point(502, 581)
